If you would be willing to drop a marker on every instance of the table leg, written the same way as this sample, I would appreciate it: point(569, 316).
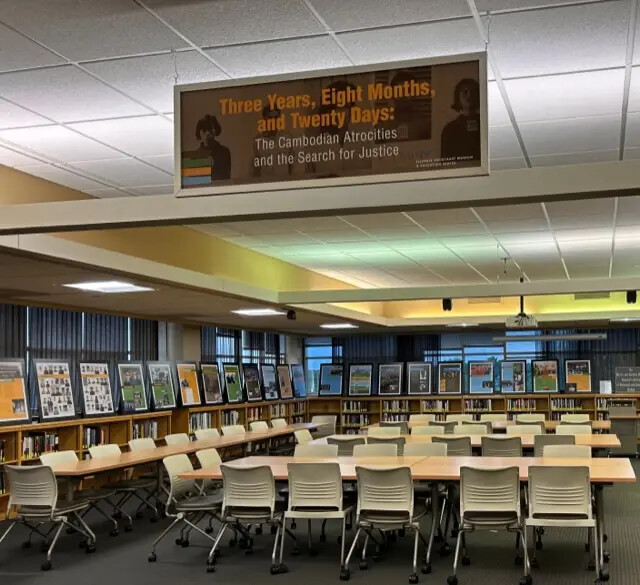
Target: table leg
point(599, 495)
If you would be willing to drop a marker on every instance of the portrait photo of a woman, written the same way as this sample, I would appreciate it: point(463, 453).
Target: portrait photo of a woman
point(460, 138)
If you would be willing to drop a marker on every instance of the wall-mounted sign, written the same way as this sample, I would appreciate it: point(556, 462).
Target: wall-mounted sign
point(398, 122)
point(627, 379)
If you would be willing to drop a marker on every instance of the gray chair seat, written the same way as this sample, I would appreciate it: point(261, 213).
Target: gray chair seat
point(94, 495)
point(199, 503)
point(382, 517)
point(62, 507)
point(131, 484)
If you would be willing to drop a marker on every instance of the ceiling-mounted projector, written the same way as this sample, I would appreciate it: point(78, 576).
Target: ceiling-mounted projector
point(521, 320)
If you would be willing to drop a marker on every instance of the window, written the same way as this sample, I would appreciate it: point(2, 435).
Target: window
point(317, 351)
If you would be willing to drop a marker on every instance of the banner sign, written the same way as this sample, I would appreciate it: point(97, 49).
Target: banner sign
point(405, 121)
point(627, 379)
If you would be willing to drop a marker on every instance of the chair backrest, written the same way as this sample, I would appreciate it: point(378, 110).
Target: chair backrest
point(459, 417)
point(428, 430)
point(489, 491)
point(477, 423)
point(32, 485)
point(541, 441)
point(403, 425)
point(529, 417)
point(208, 457)
point(575, 418)
point(524, 430)
point(377, 431)
point(177, 439)
point(493, 417)
point(328, 422)
point(232, 430)
point(385, 490)
point(144, 444)
point(278, 423)
point(425, 449)
point(207, 434)
point(315, 450)
point(346, 445)
point(58, 458)
point(397, 441)
point(445, 427)
point(463, 429)
point(569, 429)
point(315, 485)
point(421, 417)
point(566, 451)
point(248, 488)
point(501, 446)
point(377, 450)
point(258, 425)
point(303, 436)
point(179, 488)
point(103, 451)
point(559, 492)
point(456, 446)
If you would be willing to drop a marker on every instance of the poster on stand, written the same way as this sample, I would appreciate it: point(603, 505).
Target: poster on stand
point(251, 375)
point(211, 383)
point(513, 377)
point(55, 392)
point(97, 396)
point(449, 378)
point(269, 382)
point(419, 378)
point(232, 383)
point(163, 396)
point(578, 372)
point(298, 380)
point(284, 381)
point(360, 379)
point(188, 384)
point(390, 379)
point(545, 375)
point(480, 377)
point(133, 396)
point(14, 404)
point(331, 379)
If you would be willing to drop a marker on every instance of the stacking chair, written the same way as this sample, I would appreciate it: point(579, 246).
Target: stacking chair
point(423, 418)
point(33, 501)
point(177, 439)
point(249, 498)
point(93, 497)
point(385, 503)
point(541, 441)
point(258, 426)
point(401, 425)
point(470, 429)
point(490, 500)
point(207, 434)
point(523, 429)
point(445, 427)
point(327, 422)
point(569, 429)
point(303, 436)
point(456, 446)
point(148, 444)
point(281, 445)
point(574, 418)
point(384, 431)
point(208, 458)
point(143, 444)
point(398, 441)
point(465, 424)
point(315, 492)
point(568, 451)
point(560, 497)
point(316, 450)
point(501, 446)
point(345, 445)
point(428, 430)
point(278, 423)
point(539, 423)
point(425, 449)
point(379, 450)
point(230, 430)
point(493, 417)
point(459, 417)
point(186, 504)
point(141, 487)
point(529, 417)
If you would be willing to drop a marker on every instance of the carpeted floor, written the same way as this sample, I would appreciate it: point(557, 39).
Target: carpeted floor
point(123, 559)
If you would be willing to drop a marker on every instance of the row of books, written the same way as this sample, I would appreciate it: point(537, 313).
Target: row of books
point(521, 404)
point(566, 403)
point(93, 436)
point(602, 404)
point(395, 405)
point(3, 489)
point(395, 417)
point(254, 413)
point(298, 408)
point(354, 406)
point(3, 453)
point(355, 419)
point(278, 410)
point(144, 429)
point(200, 420)
point(427, 405)
point(34, 445)
point(478, 404)
point(230, 417)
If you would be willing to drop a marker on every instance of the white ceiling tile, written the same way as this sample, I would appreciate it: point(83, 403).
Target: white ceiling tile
point(11, 158)
point(531, 224)
point(567, 226)
point(62, 177)
point(125, 172)
point(514, 238)
point(378, 220)
point(541, 251)
point(629, 211)
point(503, 142)
point(154, 190)
point(433, 255)
point(418, 277)
point(478, 242)
point(346, 235)
point(413, 42)
point(107, 193)
point(575, 95)
point(237, 21)
point(585, 250)
point(498, 115)
point(571, 136)
point(634, 90)
point(140, 136)
point(357, 14)
point(546, 270)
point(593, 270)
point(286, 239)
point(493, 5)
point(58, 143)
point(90, 29)
point(19, 52)
point(384, 234)
point(636, 49)
point(508, 164)
point(591, 36)
point(12, 116)
point(445, 217)
point(575, 158)
point(632, 136)
point(246, 241)
point(631, 153)
point(66, 94)
point(280, 57)
point(151, 79)
point(580, 207)
point(501, 212)
point(164, 162)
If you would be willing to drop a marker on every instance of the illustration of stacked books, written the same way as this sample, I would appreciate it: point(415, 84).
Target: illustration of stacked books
point(196, 169)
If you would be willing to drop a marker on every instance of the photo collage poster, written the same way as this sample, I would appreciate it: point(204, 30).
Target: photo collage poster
point(251, 375)
point(132, 391)
point(578, 372)
point(96, 389)
point(211, 383)
point(331, 379)
point(450, 378)
point(419, 376)
point(545, 376)
point(54, 389)
point(13, 392)
point(360, 377)
point(390, 379)
point(480, 377)
point(232, 382)
point(161, 383)
point(188, 383)
point(269, 382)
point(284, 381)
point(298, 380)
point(513, 377)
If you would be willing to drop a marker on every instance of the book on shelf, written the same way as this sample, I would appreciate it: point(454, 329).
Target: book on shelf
point(521, 404)
point(3, 456)
point(355, 420)
point(566, 403)
point(3, 489)
point(34, 445)
point(145, 429)
point(354, 406)
point(92, 436)
point(395, 416)
point(478, 404)
point(230, 417)
point(434, 405)
point(277, 410)
point(395, 405)
point(200, 420)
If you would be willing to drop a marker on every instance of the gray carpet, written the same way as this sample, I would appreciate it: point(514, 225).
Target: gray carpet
point(123, 559)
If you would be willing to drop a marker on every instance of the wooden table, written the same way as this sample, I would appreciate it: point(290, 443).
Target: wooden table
point(606, 441)
point(501, 425)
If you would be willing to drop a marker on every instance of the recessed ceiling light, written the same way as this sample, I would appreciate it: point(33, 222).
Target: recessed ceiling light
point(624, 320)
point(339, 326)
point(108, 286)
point(462, 324)
point(258, 312)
